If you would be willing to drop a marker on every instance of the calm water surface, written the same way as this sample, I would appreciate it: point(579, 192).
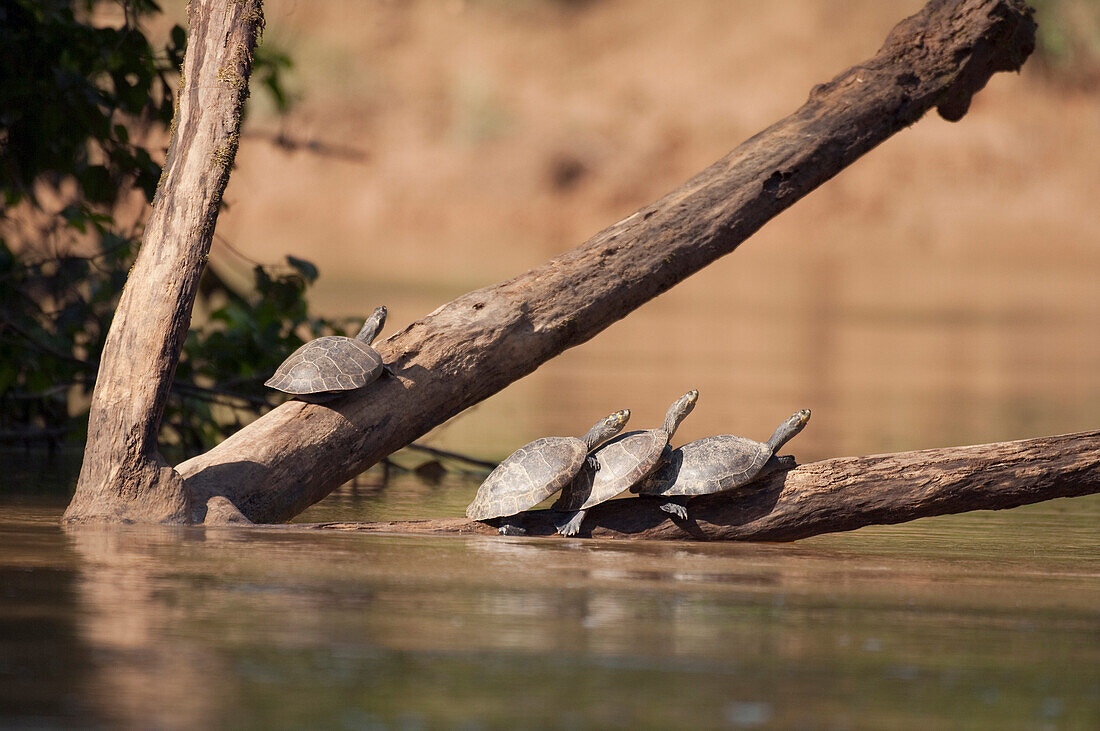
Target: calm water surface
point(988, 620)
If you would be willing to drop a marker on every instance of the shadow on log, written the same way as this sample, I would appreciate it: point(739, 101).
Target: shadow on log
point(833, 495)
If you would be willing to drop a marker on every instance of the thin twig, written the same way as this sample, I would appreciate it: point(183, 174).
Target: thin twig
point(451, 455)
point(45, 434)
point(213, 391)
point(284, 141)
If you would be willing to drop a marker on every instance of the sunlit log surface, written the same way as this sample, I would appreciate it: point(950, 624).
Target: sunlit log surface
point(471, 348)
point(834, 495)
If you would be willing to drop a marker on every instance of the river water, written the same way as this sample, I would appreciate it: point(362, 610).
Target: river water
point(987, 620)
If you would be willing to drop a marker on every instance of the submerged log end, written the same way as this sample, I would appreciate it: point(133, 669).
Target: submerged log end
point(146, 492)
point(220, 511)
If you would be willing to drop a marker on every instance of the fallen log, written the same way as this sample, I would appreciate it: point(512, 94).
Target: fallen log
point(476, 345)
point(832, 495)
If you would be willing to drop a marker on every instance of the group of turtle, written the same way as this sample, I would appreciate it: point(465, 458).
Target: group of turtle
point(600, 465)
point(588, 471)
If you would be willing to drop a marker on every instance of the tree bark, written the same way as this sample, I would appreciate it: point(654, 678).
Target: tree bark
point(476, 345)
point(123, 477)
point(834, 495)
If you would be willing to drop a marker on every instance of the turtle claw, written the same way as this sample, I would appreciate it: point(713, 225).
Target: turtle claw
point(785, 462)
point(572, 526)
point(676, 509)
point(511, 530)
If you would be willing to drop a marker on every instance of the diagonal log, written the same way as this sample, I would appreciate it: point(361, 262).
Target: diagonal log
point(476, 345)
point(123, 476)
point(834, 495)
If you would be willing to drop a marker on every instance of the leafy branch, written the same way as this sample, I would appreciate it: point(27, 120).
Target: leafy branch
point(84, 108)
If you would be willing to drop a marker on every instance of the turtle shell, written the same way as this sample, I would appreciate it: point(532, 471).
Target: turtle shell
point(528, 476)
point(327, 365)
point(624, 460)
point(706, 466)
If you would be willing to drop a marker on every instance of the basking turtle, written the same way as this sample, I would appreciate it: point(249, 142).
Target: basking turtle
point(328, 367)
point(536, 471)
point(622, 462)
point(716, 464)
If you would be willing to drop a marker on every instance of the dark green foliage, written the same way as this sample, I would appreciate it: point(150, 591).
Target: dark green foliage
point(54, 316)
point(68, 91)
point(78, 104)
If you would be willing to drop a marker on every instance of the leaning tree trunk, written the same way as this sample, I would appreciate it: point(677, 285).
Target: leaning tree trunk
point(473, 347)
point(826, 497)
point(123, 477)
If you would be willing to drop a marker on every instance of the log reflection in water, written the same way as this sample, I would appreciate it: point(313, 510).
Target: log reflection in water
point(146, 672)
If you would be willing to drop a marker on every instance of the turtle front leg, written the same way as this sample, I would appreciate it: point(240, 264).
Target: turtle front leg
point(675, 507)
point(571, 525)
point(776, 463)
point(511, 526)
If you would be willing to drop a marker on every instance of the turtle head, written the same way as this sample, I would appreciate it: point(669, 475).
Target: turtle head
point(789, 429)
point(373, 325)
point(606, 428)
point(679, 411)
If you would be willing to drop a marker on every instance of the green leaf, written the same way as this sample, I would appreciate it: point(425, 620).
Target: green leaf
point(306, 268)
point(96, 183)
point(8, 374)
point(179, 37)
point(75, 216)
